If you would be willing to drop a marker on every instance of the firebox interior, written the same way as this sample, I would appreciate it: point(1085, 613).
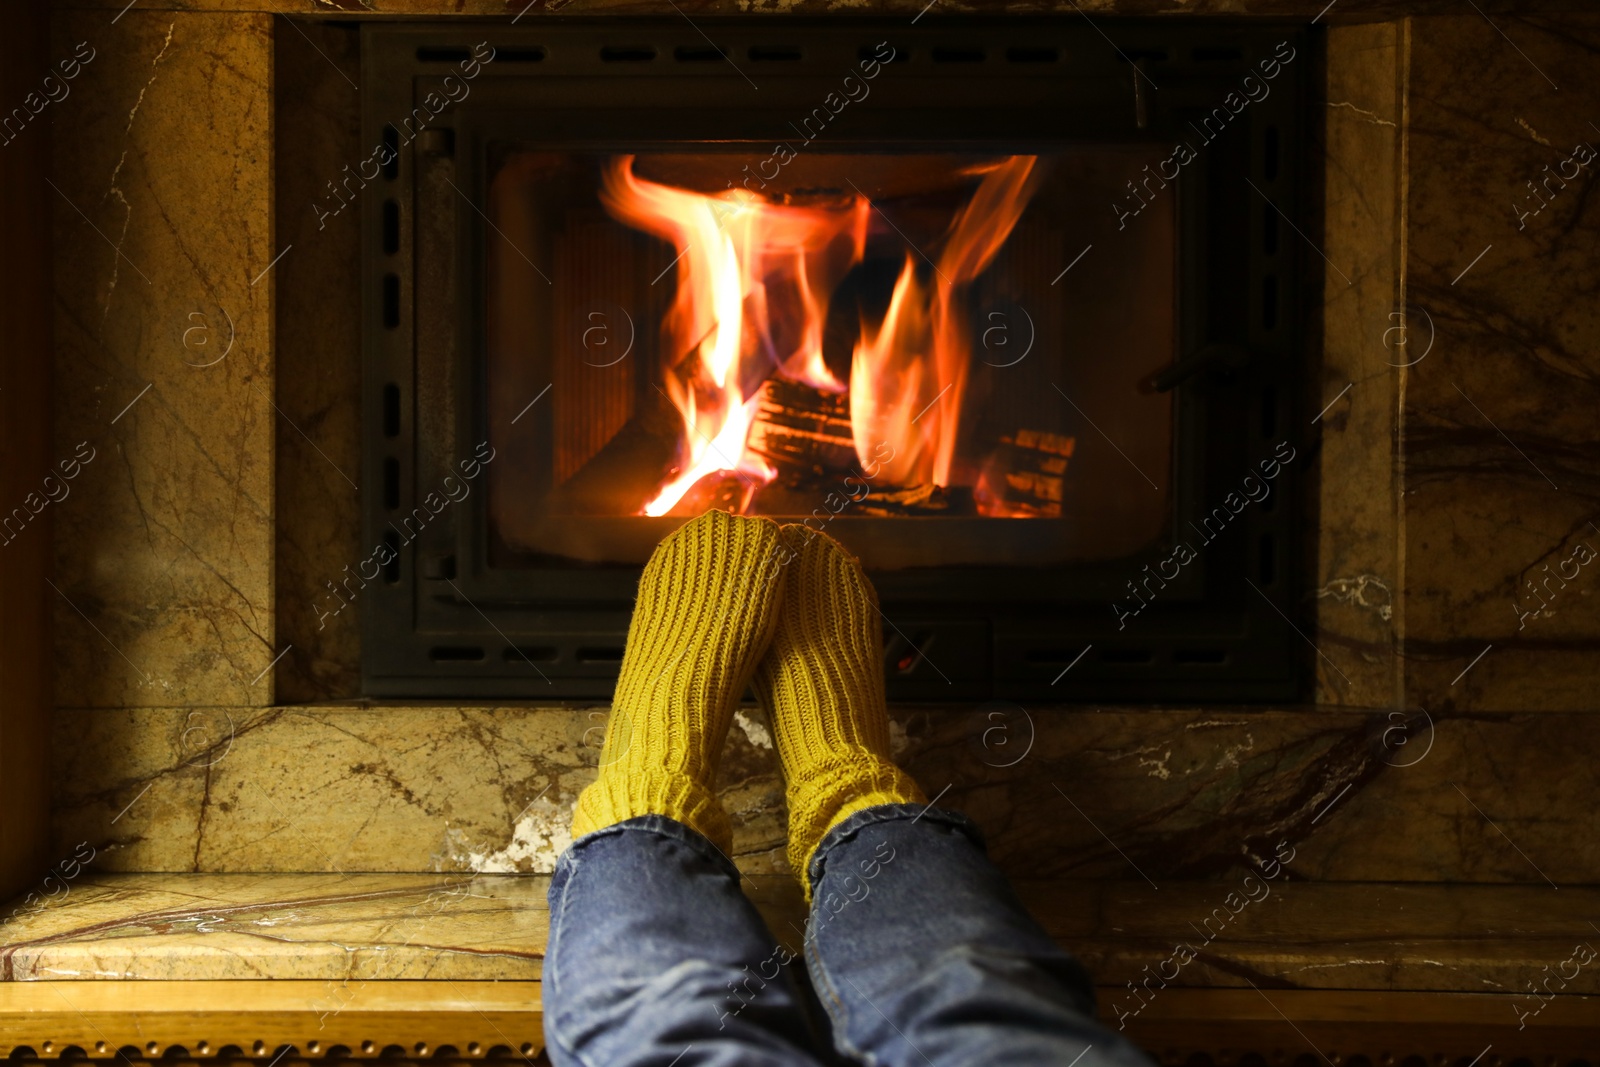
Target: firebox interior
point(1040, 357)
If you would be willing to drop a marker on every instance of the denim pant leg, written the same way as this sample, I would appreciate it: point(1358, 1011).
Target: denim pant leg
point(924, 957)
point(656, 958)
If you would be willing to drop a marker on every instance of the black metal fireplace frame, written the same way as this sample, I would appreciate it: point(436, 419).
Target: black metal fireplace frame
point(438, 621)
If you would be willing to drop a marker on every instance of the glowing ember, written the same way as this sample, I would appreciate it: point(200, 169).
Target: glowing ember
point(754, 280)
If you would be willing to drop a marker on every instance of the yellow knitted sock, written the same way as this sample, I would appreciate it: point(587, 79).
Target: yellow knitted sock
point(707, 605)
point(822, 685)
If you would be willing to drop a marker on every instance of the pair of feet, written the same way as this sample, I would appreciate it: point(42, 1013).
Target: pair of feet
point(726, 601)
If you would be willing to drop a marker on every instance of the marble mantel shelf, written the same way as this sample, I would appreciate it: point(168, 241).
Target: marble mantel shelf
point(330, 927)
point(349, 930)
point(448, 965)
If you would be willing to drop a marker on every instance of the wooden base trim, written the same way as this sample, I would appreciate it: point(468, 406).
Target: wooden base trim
point(1336, 1025)
point(293, 1020)
point(260, 1018)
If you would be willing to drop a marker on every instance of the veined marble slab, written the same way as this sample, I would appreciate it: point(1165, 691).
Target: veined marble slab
point(346, 928)
point(1061, 792)
point(164, 359)
point(1266, 929)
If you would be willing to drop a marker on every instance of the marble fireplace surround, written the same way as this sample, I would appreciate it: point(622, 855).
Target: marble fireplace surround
point(206, 726)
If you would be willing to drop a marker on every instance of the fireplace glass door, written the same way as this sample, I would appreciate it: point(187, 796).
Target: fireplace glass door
point(1008, 308)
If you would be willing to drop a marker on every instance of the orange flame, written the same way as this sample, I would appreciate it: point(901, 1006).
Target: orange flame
point(891, 388)
point(754, 280)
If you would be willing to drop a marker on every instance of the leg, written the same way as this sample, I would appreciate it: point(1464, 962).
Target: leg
point(656, 958)
point(919, 950)
point(923, 956)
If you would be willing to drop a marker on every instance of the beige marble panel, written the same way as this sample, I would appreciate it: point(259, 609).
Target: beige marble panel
point(347, 788)
point(346, 929)
point(1061, 792)
point(1502, 443)
point(1354, 400)
point(163, 229)
point(1169, 794)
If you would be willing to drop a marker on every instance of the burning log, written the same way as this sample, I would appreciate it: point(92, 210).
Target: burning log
point(1023, 477)
point(724, 490)
point(803, 432)
point(929, 500)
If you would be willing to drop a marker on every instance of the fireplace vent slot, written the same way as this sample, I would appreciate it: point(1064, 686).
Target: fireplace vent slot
point(1126, 655)
point(1216, 55)
point(1269, 302)
point(1269, 153)
point(600, 654)
point(1017, 54)
point(958, 55)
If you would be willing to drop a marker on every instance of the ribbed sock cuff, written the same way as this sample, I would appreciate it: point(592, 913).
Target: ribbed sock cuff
point(834, 792)
point(620, 794)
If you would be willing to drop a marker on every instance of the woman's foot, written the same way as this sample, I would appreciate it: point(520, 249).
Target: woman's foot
point(707, 606)
point(822, 685)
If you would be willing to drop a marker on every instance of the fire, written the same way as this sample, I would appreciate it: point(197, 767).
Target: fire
point(754, 282)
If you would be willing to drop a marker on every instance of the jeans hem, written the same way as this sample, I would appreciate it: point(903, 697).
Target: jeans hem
point(889, 813)
point(661, 825)
point(566, 867)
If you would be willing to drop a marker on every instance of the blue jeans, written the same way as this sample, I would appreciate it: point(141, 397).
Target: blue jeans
point(917, 949)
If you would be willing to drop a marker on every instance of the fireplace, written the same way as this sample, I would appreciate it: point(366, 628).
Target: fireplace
point(1008, 308)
